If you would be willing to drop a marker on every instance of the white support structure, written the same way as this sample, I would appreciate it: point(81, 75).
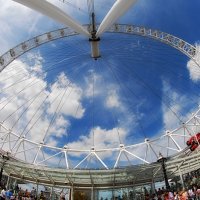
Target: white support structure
point(177, 43)
point(49, 158)
point(66, 160)
point(8, 136)
point(71, 193)
point(118, 158)
point(117, 10)
point(55, 13)
point(83, 160)
point(177, 145)
point(181, 177)
point(36, 156)
point(100, 160)
point(79, 178)
point(136, 156)
point(92, 193)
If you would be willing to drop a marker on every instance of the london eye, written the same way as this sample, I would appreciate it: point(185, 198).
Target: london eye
point(85, 101)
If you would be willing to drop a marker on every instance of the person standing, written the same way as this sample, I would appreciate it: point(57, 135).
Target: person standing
point(3, 194)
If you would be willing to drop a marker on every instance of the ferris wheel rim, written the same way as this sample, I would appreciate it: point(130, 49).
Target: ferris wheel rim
point(177, 43)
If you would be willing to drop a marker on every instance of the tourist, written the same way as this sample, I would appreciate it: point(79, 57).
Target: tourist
point(183, 195)
point(176, 195)
point(9, 193)
point(3, 194)
point(191, 193)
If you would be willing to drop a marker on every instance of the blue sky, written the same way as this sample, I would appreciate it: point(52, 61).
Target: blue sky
point(138, 89)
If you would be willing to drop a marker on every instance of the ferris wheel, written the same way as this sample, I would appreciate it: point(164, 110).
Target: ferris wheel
point(76, 98)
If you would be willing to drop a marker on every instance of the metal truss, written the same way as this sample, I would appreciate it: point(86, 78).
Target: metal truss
point(177, 43)
point(186, 48)
point(84, 178)
point(168, 143)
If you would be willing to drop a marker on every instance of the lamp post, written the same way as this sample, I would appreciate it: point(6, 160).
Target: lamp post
point(162, 160)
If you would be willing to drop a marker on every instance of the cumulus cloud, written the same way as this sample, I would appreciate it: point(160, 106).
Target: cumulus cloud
point(20, 23)
point(103, 138)
point(32, 108)
point(172, 107)
point(71, 95)
point(193, 67)
point(177, 109)
point(93, 84)
point(12, 18)
point(112, 99)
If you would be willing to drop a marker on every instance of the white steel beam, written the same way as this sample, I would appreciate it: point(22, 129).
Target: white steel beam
point(49, 157)
point(100, 160)
point(55, 13)
point(83, 160)
point(117, 10)
point(136, 156)
point(118, 157)
point(66, 160)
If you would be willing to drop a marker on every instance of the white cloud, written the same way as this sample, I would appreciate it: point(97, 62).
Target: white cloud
point(93, 84)
point(20, 23)
point(59, 127)
point(70, 104)
point(169, 118)
point(112, 99)
point(103, 138)
point(192, 66)
point(28, 106)
point(170, 107)
point(174, 109)
point(13, 18)
point(37, 61)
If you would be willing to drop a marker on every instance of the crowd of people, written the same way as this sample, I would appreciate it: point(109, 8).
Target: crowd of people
point(190, 191)
point(19, 194)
